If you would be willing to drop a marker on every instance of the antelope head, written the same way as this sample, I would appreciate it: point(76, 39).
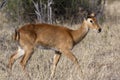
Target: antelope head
point(92, 23)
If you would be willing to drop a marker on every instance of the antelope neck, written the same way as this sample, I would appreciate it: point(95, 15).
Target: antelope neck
point(80, 33)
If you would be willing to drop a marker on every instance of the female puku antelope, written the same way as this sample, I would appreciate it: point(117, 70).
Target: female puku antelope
point(60, 39)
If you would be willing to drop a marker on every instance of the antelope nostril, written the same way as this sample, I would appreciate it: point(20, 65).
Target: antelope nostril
point(99, 30)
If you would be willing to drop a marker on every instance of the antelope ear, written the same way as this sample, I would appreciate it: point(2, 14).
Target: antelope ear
point(92, 14)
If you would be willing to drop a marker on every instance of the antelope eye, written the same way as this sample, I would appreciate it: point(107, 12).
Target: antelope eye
point(91, 21)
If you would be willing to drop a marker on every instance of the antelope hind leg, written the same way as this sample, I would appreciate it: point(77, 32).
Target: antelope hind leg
point(15, 56)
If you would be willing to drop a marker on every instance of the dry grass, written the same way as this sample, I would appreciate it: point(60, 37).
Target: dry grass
point(98, 54)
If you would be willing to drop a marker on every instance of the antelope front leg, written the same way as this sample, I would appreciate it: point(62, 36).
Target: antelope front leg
point(70, 55)
point(55, 62)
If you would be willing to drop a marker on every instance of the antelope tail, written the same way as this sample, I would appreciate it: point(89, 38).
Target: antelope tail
point(16, 35)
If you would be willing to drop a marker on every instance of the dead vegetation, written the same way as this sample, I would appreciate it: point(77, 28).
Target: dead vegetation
point(98, 54)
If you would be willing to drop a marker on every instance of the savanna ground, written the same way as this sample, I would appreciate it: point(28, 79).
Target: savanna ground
point(98, 53)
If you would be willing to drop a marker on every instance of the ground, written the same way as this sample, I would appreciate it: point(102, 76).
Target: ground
point(98, 53)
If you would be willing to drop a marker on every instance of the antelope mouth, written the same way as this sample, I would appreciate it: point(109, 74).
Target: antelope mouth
point(99, 30)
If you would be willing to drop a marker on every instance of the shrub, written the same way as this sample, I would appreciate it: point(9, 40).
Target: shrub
point(71, 11)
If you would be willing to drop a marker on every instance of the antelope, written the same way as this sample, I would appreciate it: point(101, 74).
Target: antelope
point(58, 38)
